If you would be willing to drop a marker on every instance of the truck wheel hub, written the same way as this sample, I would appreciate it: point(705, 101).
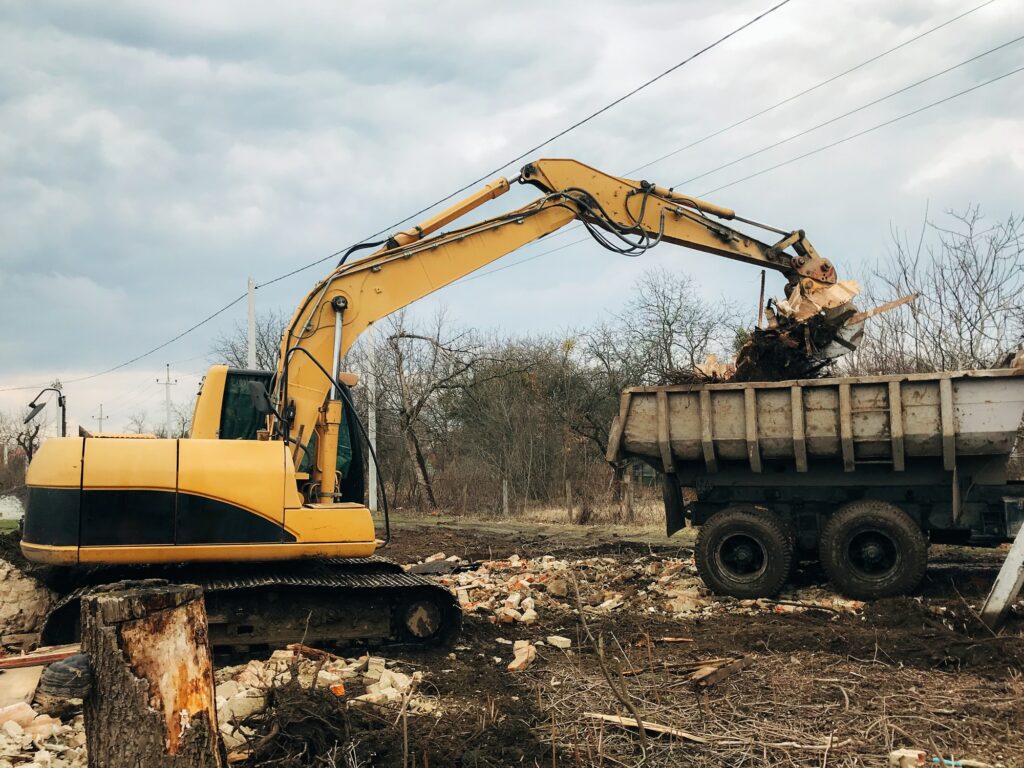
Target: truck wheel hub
point(873, 553)
point(742, 555)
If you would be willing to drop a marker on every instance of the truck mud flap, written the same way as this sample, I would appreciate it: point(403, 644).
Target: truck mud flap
point(675, 515)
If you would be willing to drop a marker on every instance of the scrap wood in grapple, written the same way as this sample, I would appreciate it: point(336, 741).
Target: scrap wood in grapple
point(787, 349)
point(776, 354)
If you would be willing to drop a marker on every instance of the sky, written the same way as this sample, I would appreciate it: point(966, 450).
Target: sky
point(153, 156)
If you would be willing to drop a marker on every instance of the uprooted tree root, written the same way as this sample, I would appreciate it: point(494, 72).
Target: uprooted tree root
point(303, 727)
point(788, 350)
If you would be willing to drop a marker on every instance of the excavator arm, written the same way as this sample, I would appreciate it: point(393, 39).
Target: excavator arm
point(624, 215)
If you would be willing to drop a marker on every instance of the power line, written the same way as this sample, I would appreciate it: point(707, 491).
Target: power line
point(465, 187)
point(544, 143)
point(850, 112)
point(804, 92)
point(787, 100)
point(135, 359)
point(771, 168)
point(502, 268)
point(864, 132)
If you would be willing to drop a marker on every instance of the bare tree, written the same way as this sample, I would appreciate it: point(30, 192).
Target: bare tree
point(425, 365)
point(232, 347)
point(667, 326)
point(969, 313)
point(181, 421)
point(136, 423)
point(19, 442)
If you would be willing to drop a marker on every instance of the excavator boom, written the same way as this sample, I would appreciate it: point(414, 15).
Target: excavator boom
point(624, 215)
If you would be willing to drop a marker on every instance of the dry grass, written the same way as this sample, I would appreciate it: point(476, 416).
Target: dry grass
point(786, 709)
point(646, 514)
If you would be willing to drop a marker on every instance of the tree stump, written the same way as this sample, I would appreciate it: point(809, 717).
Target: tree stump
point(152, 701)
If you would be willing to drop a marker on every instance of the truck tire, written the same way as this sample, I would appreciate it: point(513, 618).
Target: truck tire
point(744, 552)
point(872, 549)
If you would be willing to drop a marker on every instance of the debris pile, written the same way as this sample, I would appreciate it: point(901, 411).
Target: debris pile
point(246, 691)
point(31, 740)
point(520, 591)
point(24, 603)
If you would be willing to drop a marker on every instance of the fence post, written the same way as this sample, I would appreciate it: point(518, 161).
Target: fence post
point(629, 513)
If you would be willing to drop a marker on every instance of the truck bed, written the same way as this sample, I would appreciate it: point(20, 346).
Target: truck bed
point(866, 420)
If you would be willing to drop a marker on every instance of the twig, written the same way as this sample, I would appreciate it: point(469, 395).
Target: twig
point(623, 695)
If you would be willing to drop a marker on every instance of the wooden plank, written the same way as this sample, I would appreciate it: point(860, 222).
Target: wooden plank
point(948, 424)
point(707, 676)
point(19, 684)
point(846, 426)
point(799, 429)
point(46, 655)
point(664, 434)
point(656, 728)
point(618, 428)
point(750, 417)
point(707, 438)
point(860, 317)
point(1008, 584)
point(896, 425)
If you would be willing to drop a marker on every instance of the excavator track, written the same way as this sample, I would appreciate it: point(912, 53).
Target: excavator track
point(335, 602)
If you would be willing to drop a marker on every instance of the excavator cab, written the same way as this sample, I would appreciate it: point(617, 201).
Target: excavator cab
point(224, 409)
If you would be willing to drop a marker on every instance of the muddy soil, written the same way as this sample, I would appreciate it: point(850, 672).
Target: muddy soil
point(824, 687)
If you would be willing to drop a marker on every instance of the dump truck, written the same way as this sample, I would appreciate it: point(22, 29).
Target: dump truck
point(860, 474)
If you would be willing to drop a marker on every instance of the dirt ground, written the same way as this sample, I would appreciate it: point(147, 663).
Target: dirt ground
point(829, 682)
point(824, 687)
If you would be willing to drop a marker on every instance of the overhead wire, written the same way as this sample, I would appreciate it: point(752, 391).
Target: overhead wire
point(864, 132)
point(826, 81)
point(764, 111)
point(848, 113)
point(135, 359)
point(763, 171)
point(447, 197)
point(600, 236)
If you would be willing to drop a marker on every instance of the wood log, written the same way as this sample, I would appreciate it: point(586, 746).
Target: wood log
point(152, 701)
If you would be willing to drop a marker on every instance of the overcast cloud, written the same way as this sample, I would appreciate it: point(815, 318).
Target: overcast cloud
point(152, 156)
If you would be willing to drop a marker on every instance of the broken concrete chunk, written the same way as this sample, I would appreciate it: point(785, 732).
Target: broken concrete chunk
point(508, 615)
point(12, 729)
point(559, 642)
point(20, 713)
point(228, 689)
point(241, 706)
point(528, 617)
point(611, 604)
point(435, 557)
point(525, 654)
point(375, 666)
point(558, 588)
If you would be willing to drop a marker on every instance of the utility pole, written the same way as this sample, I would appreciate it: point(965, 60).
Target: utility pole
point(371, 415)
point(167, 400)
point(251, 350)
point(100, 419)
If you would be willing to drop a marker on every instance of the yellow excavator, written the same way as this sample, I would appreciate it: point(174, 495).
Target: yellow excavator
point(261, 508)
